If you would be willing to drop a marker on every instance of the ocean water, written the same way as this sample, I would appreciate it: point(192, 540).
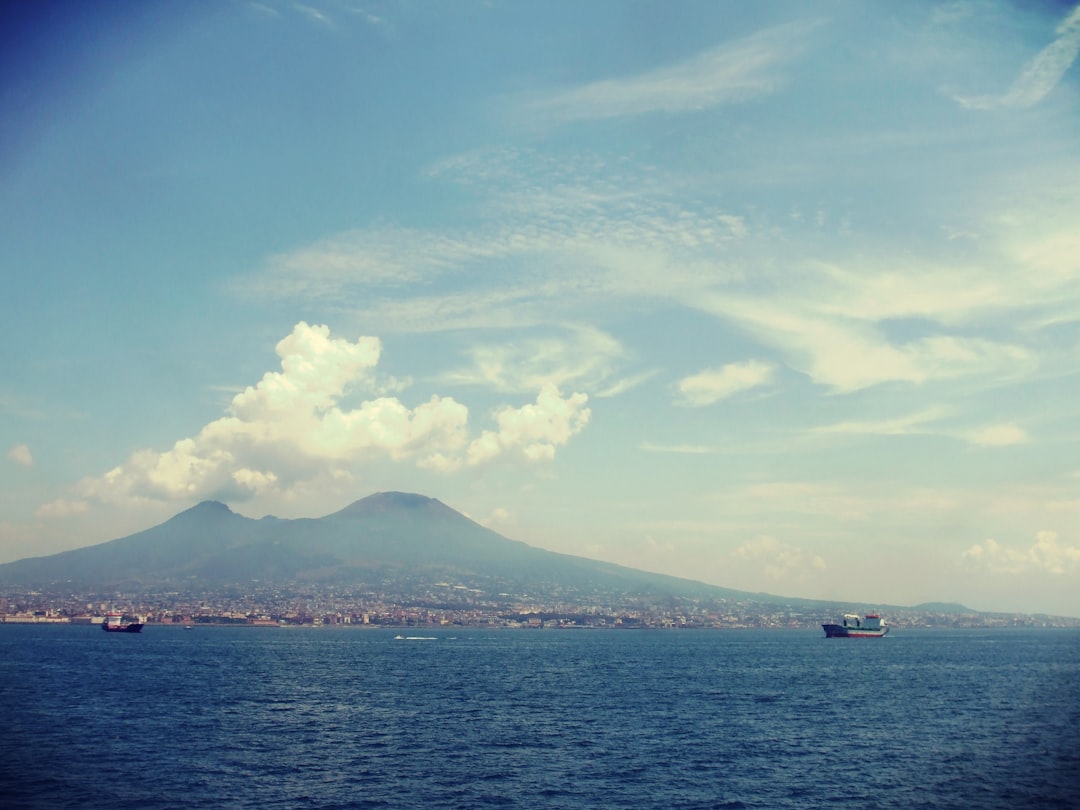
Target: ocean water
point(354, 718)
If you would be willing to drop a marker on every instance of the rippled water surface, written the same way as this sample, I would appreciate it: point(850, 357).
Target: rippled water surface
point(354, 718)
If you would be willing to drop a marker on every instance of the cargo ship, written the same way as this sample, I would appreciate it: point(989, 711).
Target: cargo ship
point(114, 623)
point(870, 626)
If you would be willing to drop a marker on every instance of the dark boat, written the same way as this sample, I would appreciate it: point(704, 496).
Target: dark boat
point(114, 623)
point(870, 626)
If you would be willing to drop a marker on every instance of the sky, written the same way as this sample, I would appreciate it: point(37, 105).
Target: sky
point(777, 296)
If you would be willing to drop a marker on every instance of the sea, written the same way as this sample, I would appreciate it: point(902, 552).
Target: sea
point(244, 717)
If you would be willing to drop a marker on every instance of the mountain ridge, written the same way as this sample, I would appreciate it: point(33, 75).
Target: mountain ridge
point(406, 539)
point(384, 534)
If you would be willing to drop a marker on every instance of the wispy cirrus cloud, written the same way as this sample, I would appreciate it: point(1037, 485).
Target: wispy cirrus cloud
point(623, 384)
point(543, 254)
point(712, 385)
point(914, 423)
point(846, 351)
point(1040, 75)
point(733, 72)
point(678, 449)
point(314, 14)
point(926, 422)
point(376, 257)
point(556, 242)
point(1002, 435)
point(827, 321)
point(582, 356)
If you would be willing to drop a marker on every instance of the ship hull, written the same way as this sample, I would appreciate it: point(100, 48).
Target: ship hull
point(122, 628)
point(839, 631)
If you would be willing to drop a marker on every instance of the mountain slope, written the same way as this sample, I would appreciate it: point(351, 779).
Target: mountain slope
point(389, 536)
point(175, 546)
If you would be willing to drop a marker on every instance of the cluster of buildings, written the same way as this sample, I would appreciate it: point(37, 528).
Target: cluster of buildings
point(444, 604)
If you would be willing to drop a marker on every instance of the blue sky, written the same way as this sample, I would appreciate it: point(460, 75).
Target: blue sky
point(778, 296)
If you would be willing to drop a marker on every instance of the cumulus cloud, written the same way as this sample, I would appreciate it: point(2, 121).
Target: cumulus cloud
point(779, 561)
point(712, 385)
point(1040, 75)
point(302, 421)
point(21, 454)
point(1048, 553)
point(533, 431)
point(500, 516)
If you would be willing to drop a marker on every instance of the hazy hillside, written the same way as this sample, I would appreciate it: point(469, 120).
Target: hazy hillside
point(389, 535)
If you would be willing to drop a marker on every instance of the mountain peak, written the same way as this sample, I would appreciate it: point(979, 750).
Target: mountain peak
point(390, 502)
point(206, 510)
point(208, 507)
point(398, 498)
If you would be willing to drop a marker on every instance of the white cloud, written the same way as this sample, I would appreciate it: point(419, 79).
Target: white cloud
point(500, 519)
point(557, 246)
point(386, 257)
point(1047, 554)
point(682, 449)
point(899, 426)
point(1040, 75)
point(928, 422)
point(731, 73)
point(1052, 257)
point(712, 385)
point(314, 14)
point(998, 436)
point(583, 355)
point(21, 454)
point(533, 431)
point(581, 237)
point(836, 340)
point(624, 384)
point(780, 561)
point(295, 424)
point(1051, 554)
point(254, 480)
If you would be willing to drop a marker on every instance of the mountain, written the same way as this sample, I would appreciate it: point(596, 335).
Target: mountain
point(389, 539)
